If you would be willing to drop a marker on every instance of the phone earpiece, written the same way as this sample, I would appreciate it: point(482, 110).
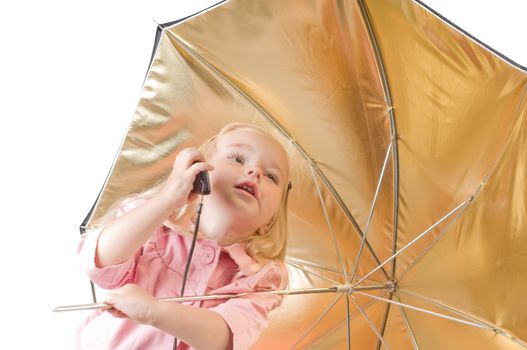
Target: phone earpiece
point(201, 184)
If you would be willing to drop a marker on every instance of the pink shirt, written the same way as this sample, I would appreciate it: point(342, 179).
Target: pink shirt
point(159, 267)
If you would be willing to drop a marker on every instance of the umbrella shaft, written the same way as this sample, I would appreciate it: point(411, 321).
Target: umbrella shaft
point(336, 289)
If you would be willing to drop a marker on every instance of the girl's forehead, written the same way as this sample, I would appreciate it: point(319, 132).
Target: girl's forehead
point(249, 137)
point(256, 141)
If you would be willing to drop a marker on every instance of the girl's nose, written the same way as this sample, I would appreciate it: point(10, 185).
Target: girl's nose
point(255, 172)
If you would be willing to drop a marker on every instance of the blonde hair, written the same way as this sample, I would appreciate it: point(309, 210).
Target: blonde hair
point(268, 242)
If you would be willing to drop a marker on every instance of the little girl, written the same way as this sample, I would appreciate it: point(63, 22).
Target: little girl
point(140, 254)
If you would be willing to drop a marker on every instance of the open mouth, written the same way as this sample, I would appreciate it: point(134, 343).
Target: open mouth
point(247, 188)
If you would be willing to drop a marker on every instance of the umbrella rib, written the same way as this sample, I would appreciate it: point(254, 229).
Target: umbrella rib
point(372, 326)
point(488, 325)
point(307, 263)
point(348, 321)
point(339, 324)
point(310, 328)
point(346, 212)
point(351, 317)
point(444, 307)
point(408, 326)
point(324, 209)
point(311, 272)
point(285, 134)
point(469, 323)
point(297, 261)
point(393, 128)
point(384, 322)
point(372, 208)
point(427, 250)
point(466, 202)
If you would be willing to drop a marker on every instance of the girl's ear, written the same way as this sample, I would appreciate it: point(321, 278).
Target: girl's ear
point(263, 230)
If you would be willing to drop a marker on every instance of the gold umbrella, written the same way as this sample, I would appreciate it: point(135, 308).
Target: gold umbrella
point(408, 216)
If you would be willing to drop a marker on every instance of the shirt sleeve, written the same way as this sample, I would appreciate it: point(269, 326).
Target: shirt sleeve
point(247, 316)
point(108, 277)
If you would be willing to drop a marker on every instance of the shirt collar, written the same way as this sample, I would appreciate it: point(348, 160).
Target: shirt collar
point(239, 255)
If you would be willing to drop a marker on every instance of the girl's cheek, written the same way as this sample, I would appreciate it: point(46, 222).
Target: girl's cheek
point(276, 202)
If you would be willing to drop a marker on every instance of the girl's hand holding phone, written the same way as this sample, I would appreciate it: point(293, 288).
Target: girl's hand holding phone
point(177, 189)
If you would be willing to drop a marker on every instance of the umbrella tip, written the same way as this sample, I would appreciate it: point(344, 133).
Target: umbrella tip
point(158, 24)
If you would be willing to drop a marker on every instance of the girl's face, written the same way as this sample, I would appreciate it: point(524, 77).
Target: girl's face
point(251, 172)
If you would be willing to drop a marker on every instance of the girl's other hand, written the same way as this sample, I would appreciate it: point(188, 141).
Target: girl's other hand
point(133, 302)
point(177, 188)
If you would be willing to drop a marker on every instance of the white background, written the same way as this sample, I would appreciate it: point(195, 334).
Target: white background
point(71, 73)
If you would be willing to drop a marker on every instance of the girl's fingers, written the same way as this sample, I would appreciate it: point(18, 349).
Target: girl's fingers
point(189, 162)
point(178, 186)
point(189, 156)
point(116, 313)
point(131, 301)
point(199, 167)
point(110, 299)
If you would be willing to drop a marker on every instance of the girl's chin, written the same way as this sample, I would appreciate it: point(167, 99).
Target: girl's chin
point(235, 209)
point(238, 204)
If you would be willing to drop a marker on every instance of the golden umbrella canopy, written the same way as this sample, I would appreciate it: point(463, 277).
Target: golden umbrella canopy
point(407, 139)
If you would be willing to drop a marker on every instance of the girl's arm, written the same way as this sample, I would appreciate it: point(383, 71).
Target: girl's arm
point(123, 237)
point(197, 327)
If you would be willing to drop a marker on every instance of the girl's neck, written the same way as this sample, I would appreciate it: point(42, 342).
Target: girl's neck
point(221, 228)
point(214, 226)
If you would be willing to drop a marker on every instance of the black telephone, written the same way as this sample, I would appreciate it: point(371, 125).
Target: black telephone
point(201, 184)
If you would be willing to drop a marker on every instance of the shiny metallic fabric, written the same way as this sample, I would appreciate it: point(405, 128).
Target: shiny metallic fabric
point(356, 89)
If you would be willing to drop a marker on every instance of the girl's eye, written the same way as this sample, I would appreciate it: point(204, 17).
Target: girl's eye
point(271, 177)
point(240, 158)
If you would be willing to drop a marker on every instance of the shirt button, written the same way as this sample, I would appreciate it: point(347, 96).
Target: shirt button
point(207, 255)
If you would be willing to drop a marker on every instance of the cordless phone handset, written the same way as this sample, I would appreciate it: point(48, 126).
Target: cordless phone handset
point(201, 184)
